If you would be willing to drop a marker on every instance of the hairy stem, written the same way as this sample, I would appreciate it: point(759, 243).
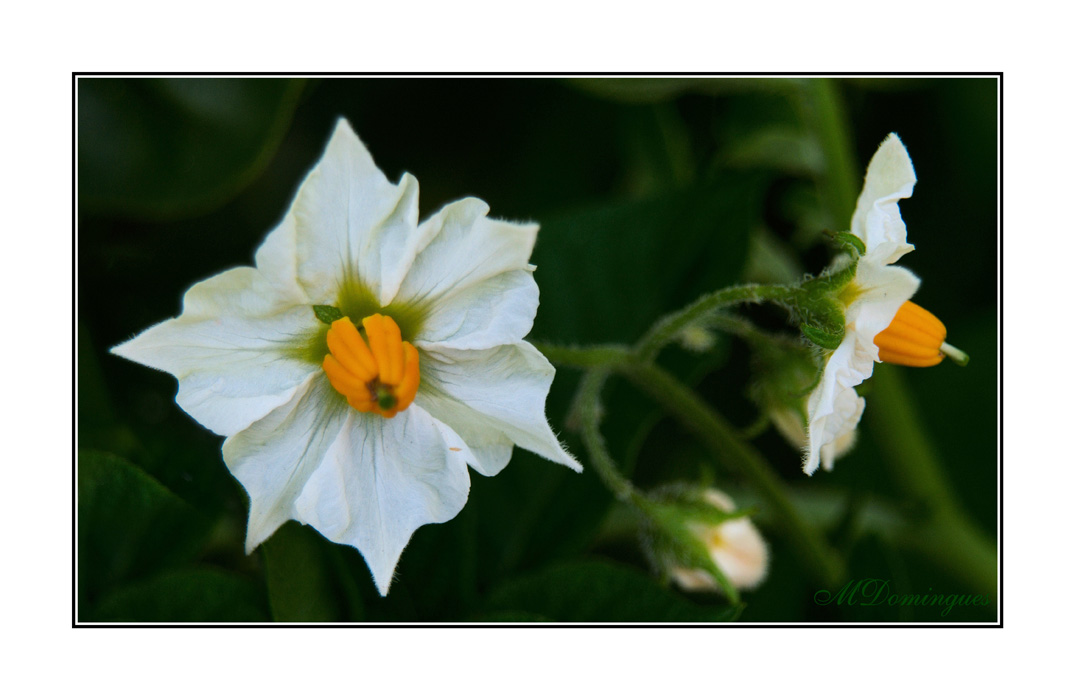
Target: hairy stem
point(666, 330)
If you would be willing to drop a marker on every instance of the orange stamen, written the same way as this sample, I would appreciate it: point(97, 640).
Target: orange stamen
point(914, 338)
point(378, 374)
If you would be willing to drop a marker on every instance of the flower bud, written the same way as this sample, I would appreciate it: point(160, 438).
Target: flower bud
point(735, 546)
point(703, 544)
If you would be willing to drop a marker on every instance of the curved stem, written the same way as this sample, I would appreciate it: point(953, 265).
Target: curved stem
point(589, 412)
point(665, 330)
point(713, 431)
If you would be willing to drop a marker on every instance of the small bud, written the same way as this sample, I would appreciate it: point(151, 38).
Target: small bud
point(327, 314)
point(697, 339)
point(735, 546)
point(701, 542)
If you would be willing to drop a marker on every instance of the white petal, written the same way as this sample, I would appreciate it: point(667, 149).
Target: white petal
point(277, 260)
point(232, 349)
point(383, 479)
point(841, 445)
point(884, 290)
point(491, 398)
point(357, 478)
point(834, 409)
point(743, 555)
point(889, 178)
point(351, 223)
point(275, 457)
point(460, 247)
point(497, 311)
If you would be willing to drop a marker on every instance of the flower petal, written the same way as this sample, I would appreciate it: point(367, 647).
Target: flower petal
point(381, 480)
point(350, 223)
point(231, 350)
point(357, 478)
point(884, 290)
point(275, 457)
point(496, 311)
point(889, 178)
point(492, 397)
point(834, 408)
point(460, 247)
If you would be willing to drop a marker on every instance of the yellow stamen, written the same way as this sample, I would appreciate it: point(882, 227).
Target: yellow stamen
point(378, 374)
point(916, 338)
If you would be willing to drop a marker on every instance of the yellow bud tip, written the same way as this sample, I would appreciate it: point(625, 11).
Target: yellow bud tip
point(377, 373)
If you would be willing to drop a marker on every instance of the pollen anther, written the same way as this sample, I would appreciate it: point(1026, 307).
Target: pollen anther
point(377, 373)
point(915, 338)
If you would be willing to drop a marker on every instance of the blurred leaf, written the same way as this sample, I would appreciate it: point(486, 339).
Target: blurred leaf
point(300, 578)
point(959, 404)
point(164, 147)
point(129, 525)
point(662, 89)
point(658, 151)
point(608, 271)
point(599, 591)
point(778, 147)
point(190, 595)
point(770, 260)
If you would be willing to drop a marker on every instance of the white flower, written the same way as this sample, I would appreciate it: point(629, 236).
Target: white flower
point(735, 546)
point(443, 305)
point(881, 324)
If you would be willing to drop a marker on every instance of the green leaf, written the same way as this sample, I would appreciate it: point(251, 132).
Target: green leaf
point(608, 271)
point(188, 595)
point(164, 147)
point(299, 577)
point(600, 591)
point(129, 525)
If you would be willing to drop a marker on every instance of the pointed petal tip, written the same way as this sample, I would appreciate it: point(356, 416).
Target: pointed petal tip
point(893, 160)
point(569, 460)
point(382, 587)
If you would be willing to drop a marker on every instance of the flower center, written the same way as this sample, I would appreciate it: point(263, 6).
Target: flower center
point(915, 338)
point(377, 373)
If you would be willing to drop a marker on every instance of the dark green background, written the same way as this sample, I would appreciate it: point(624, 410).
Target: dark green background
point(648, 192)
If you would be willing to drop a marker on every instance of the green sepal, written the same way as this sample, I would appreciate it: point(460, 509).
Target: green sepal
point(848, 242)
point(822, 338)
point(327, 314)
point(833, 279)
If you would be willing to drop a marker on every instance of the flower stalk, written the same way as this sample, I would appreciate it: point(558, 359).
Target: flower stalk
point(954, 541)
point(708, 427)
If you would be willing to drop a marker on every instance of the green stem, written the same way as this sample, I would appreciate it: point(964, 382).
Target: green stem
point(713, 431)
point(589, 412)
point(666, 330)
